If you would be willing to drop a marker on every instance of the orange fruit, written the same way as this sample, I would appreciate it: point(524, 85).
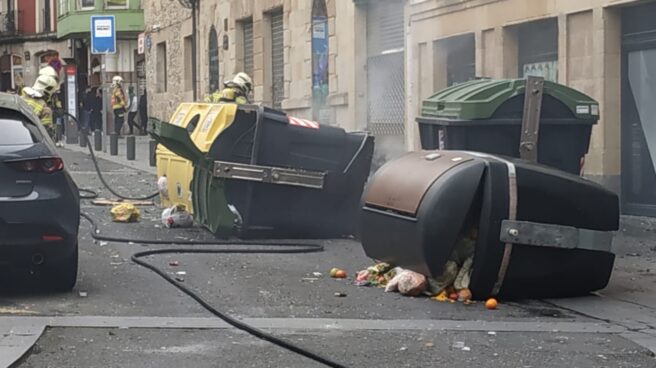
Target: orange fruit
point(491, 304)
point(340, 274)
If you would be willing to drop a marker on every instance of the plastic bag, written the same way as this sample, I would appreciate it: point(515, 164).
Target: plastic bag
point(408, 283)
point(125, 212)
point(177, 216)
point(163, 187)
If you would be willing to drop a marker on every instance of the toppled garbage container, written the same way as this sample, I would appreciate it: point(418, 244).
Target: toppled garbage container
point(178, 171)
point(540, 232)
point(486, 116)
point(270, 175)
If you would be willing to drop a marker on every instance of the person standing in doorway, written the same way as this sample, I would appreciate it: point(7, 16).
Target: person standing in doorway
point(133, 109)
point(87, 108)
point(143, 112)
point(119, 103)
point(96, 109)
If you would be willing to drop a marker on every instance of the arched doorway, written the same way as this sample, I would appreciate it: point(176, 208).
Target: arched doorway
point(213, 60)
point(320, 79)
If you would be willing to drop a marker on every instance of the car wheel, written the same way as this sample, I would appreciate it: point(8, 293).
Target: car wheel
point(63, 274)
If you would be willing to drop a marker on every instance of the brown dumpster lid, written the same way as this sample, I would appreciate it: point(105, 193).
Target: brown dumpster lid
point(401, 184)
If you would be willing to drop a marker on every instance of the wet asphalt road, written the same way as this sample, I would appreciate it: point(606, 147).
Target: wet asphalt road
point(283, 286)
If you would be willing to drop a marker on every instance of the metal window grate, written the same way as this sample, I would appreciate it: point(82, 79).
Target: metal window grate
point(278, 59)
point(214, 61)
point(249, 64)
point(386, 94)
point(385, 68)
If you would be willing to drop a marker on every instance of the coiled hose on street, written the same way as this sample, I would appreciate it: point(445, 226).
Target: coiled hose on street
point(242, 248)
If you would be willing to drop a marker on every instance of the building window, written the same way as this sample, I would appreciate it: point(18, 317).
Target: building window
point(247, 46)
point(460, 58)
point(87, 4)
point(188, 77)
point(320, 60)
point(537, 44)
point(116, 4)
point(63, 7)
point(214, 60)
point(161, 67)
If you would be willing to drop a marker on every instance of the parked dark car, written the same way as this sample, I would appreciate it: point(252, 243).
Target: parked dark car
point(39, 202)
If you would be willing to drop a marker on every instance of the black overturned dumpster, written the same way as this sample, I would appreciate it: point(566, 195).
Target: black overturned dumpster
point(538, 231)
point(270, 175)
point(486, 116)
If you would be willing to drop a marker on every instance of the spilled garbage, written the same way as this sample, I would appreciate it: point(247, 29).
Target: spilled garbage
point(125, 212)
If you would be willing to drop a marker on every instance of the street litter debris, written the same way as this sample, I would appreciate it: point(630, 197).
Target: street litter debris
point(451, 286)
point(340, 295)
point(174, 263)
point(125, 212)
point(408, 283)
point(116, 202)
point(491, 304)
point(338, 273)
point(377, 275)
point(317, 274)
point(177, 217)
point(181, 273)
point(83, 294)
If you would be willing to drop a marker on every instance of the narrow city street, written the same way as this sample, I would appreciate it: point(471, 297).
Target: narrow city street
point(122, 315)
point(327, 183)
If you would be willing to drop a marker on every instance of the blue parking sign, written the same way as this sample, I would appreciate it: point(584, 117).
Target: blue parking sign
point(103, 34)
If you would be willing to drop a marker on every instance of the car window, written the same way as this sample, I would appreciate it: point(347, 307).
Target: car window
point(18, 132)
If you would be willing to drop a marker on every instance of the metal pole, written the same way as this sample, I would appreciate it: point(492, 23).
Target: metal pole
point(113, 144)
point(130, 150)
point(194, 41)
point(528, 146)
point(105, 91)
point(153, 153)
point(97, 140)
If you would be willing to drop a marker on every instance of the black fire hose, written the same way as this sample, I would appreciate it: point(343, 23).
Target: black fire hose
point(91, 193)
point(274, 248)
point(271, 248)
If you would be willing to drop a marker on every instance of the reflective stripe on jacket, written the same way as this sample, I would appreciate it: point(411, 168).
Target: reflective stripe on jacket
point(40, 108)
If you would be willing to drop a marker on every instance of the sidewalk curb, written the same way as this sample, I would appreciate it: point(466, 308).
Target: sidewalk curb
point(142, 164)
point(16, 340)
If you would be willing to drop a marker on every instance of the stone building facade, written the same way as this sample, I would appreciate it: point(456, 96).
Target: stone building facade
point(605, 48)
point(222, 27)
point(307, 57)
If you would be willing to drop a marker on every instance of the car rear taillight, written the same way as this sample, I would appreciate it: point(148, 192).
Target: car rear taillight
point(47, 165)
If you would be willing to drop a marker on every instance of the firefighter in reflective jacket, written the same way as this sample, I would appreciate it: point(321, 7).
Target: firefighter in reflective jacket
point(53, 101)
point(119, 103)
point(37, 98)
point(236, 91)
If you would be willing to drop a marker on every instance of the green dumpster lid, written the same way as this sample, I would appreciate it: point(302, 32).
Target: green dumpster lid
point(176, 139)
point(479, 99)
